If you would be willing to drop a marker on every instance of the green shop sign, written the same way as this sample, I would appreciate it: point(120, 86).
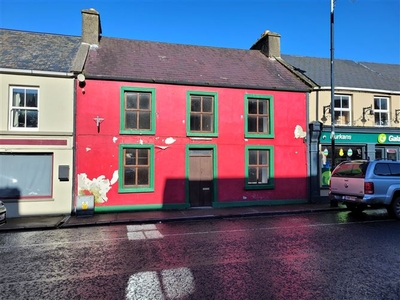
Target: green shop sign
point(361, 138)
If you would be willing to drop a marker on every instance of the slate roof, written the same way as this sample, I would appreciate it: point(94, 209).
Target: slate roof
point(37, 51)
point(144, 61)
point(348, 73)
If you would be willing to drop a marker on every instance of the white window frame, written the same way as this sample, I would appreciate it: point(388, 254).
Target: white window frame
point(12, 108)
point(380, 112)
point(340, 110)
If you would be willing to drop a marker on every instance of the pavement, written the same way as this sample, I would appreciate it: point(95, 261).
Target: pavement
point(163, 216)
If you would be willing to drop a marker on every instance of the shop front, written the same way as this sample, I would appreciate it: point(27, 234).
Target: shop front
point(351, 144)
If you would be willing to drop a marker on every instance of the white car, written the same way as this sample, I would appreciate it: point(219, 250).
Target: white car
point(3, 213)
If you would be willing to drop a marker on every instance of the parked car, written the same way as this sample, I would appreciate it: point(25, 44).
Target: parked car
point(3, 213)
point(361, 184)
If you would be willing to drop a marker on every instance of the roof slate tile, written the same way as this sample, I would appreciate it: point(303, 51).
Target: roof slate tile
point(135, 60)
point(348, 73)
point(37, 51)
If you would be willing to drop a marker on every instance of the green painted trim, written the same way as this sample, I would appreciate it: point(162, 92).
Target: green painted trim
point(126, 208)
point(270, 99)
point(121, 188)
point(188, 106)
point(271, 184)
point(122, 129)
point(215, 170)
point(259, 203)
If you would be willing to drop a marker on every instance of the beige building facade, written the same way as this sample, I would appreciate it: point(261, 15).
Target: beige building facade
point(36, 145)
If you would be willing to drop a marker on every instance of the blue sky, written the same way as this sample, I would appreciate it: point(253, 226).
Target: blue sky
point(364, 30)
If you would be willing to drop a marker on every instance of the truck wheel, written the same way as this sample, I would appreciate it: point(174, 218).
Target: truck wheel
point(355, 208)
point(395, 208)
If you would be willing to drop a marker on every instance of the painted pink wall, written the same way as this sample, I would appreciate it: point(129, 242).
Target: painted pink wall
point(97, 153)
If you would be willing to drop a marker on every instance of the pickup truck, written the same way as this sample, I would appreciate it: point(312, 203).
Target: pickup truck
point(361, 184)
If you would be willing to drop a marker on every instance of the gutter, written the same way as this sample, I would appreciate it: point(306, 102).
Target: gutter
point(328, 88)
point(203, 84)
point(35, 72)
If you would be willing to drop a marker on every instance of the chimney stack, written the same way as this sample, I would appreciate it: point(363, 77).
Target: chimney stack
point(269, 44)
point(91, 26)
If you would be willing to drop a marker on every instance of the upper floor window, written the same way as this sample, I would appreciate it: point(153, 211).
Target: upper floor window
point(259, 116)
point(381, 111)
point(136, 168)
point(342, 110)
point(137, 110)
point(202, 114)
point(24, 108)
point(259, 167)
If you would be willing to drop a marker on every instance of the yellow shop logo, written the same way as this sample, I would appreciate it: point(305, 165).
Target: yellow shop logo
point(381, 138)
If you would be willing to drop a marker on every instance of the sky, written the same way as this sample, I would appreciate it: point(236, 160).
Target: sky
point(363, 30)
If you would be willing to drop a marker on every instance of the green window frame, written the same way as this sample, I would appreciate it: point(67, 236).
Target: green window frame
point(259, 116)
point(259, 167)
point(201, 114)
point(137, 110)
point(136, 168)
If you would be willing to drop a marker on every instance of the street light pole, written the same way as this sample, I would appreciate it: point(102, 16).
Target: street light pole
point(332, 203)
point(332, 88)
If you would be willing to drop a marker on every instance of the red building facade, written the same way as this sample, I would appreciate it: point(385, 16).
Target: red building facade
point(173, 152)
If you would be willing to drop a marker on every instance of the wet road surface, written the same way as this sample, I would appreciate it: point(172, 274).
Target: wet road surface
point(332, 255)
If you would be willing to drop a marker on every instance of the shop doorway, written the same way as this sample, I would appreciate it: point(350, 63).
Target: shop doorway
point(201, 177)
point(391, 153)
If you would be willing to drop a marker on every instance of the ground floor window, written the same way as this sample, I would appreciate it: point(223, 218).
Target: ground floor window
point(342, 153)
point(259, 167)
point(26, 175)
point(136, 168)
point(391, 153)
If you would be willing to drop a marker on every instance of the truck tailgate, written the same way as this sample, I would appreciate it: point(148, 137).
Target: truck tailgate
point(347, 186)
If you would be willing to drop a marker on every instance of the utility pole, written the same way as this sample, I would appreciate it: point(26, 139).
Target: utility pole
point(332, 87)
point(332, 203)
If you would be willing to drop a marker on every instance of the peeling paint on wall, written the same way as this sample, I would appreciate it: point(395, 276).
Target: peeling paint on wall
point(88, 149)
point(98, 187)
point(170, 141)
point(299, 133)
point(114, 179)
point(162, 147)
point(115, 139)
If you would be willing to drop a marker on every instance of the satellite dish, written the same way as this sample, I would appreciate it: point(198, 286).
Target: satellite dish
point(81, 77)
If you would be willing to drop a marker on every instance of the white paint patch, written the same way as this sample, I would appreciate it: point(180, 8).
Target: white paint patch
point(115, 139)
point(244, 198)
point(246, 140)
point(98, 187)
point(141, 142)
point(114, 178)
point(183, 121)
point(162, 147)
point(299, 133)
point(88, 149)
point(170, 140)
